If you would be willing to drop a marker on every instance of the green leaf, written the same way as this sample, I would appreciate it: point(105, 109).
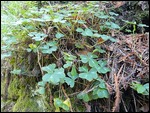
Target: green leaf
point(57, 76)
point(15, 71)
point(102, 63)
point(69, 57)
point(32, 46)
point(103, 70)
point(112, 39)
point(69, 81)
point(59, 103)
point(114, 26)
point(146, 86)
point(74, 71)
point(88, 32)
point(47, 77)
point(51, 43)
point(83, 69)
point(42, 83)
point(46, 17)
point(102, 93)
point(63, 21)
point(126, 21)
point(57, 19)
point(142, 25)
point(102, 85)
point(59, 35)
point(105, 37)
point(84, 58)
point(65, 107)
point(5, 55)
point(93, 63)
point(96, 35)
point(90, 55)
point(67, 102)
point(54, 78)
point(141, 89)
point(68, 64)
point(37, 36)
point(112, 13)
point(92, 74)
point(11, 40)
point(98, 49)
point(79, 30)
point(72, 77)
point(49, 47)
point(41, 90)
point(50, 68)
point(83, 96)
point(81, 21)
point(79, 45)
point(103, 16)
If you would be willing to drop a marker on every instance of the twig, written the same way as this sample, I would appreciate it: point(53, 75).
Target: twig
point(117, 100)
point(38, 55)
point(124, 105)
point(134, 101)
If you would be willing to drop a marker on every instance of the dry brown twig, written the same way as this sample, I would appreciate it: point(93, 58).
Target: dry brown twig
point(117, 100)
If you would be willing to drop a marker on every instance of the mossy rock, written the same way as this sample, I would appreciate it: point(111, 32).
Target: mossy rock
point(3, 82)
point(26, 104)
point(19, 86)
point(6, 106)
point(13, 89)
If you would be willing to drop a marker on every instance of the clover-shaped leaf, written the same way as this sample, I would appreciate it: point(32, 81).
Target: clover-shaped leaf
point(81, 21)
point(41, 83)
point(84, 58)
point(103, 70)
point(37, 36)
point(83, 69)
point(59, 35)
point(56, 77)
point(98, 49)
point(74, 71)
point(69, 81)
point(59, 103)
point(79, 30)
point(92, 74)
point(41, 90)
point(93, 63)
point(15, 71)
point(49, 47)
point(68, 64)
point(84, 96)
point(88, 32)
point(101, 93)
point(50, 68)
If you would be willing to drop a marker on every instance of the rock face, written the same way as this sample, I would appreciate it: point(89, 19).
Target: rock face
point(20, 98)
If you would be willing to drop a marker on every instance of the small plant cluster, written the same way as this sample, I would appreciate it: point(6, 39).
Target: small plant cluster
point(52, 32)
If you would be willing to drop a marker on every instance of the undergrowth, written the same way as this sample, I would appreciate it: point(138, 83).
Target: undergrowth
point(60, 45)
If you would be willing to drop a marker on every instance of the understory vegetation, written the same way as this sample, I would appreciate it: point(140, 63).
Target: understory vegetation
point(72, 56)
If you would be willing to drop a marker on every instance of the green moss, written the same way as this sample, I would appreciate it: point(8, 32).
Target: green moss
point(3, 82)
point(13, 89)
point(20, 86)
point(26, 104)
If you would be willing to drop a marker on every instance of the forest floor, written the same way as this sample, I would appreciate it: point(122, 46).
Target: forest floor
point(126, 55)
